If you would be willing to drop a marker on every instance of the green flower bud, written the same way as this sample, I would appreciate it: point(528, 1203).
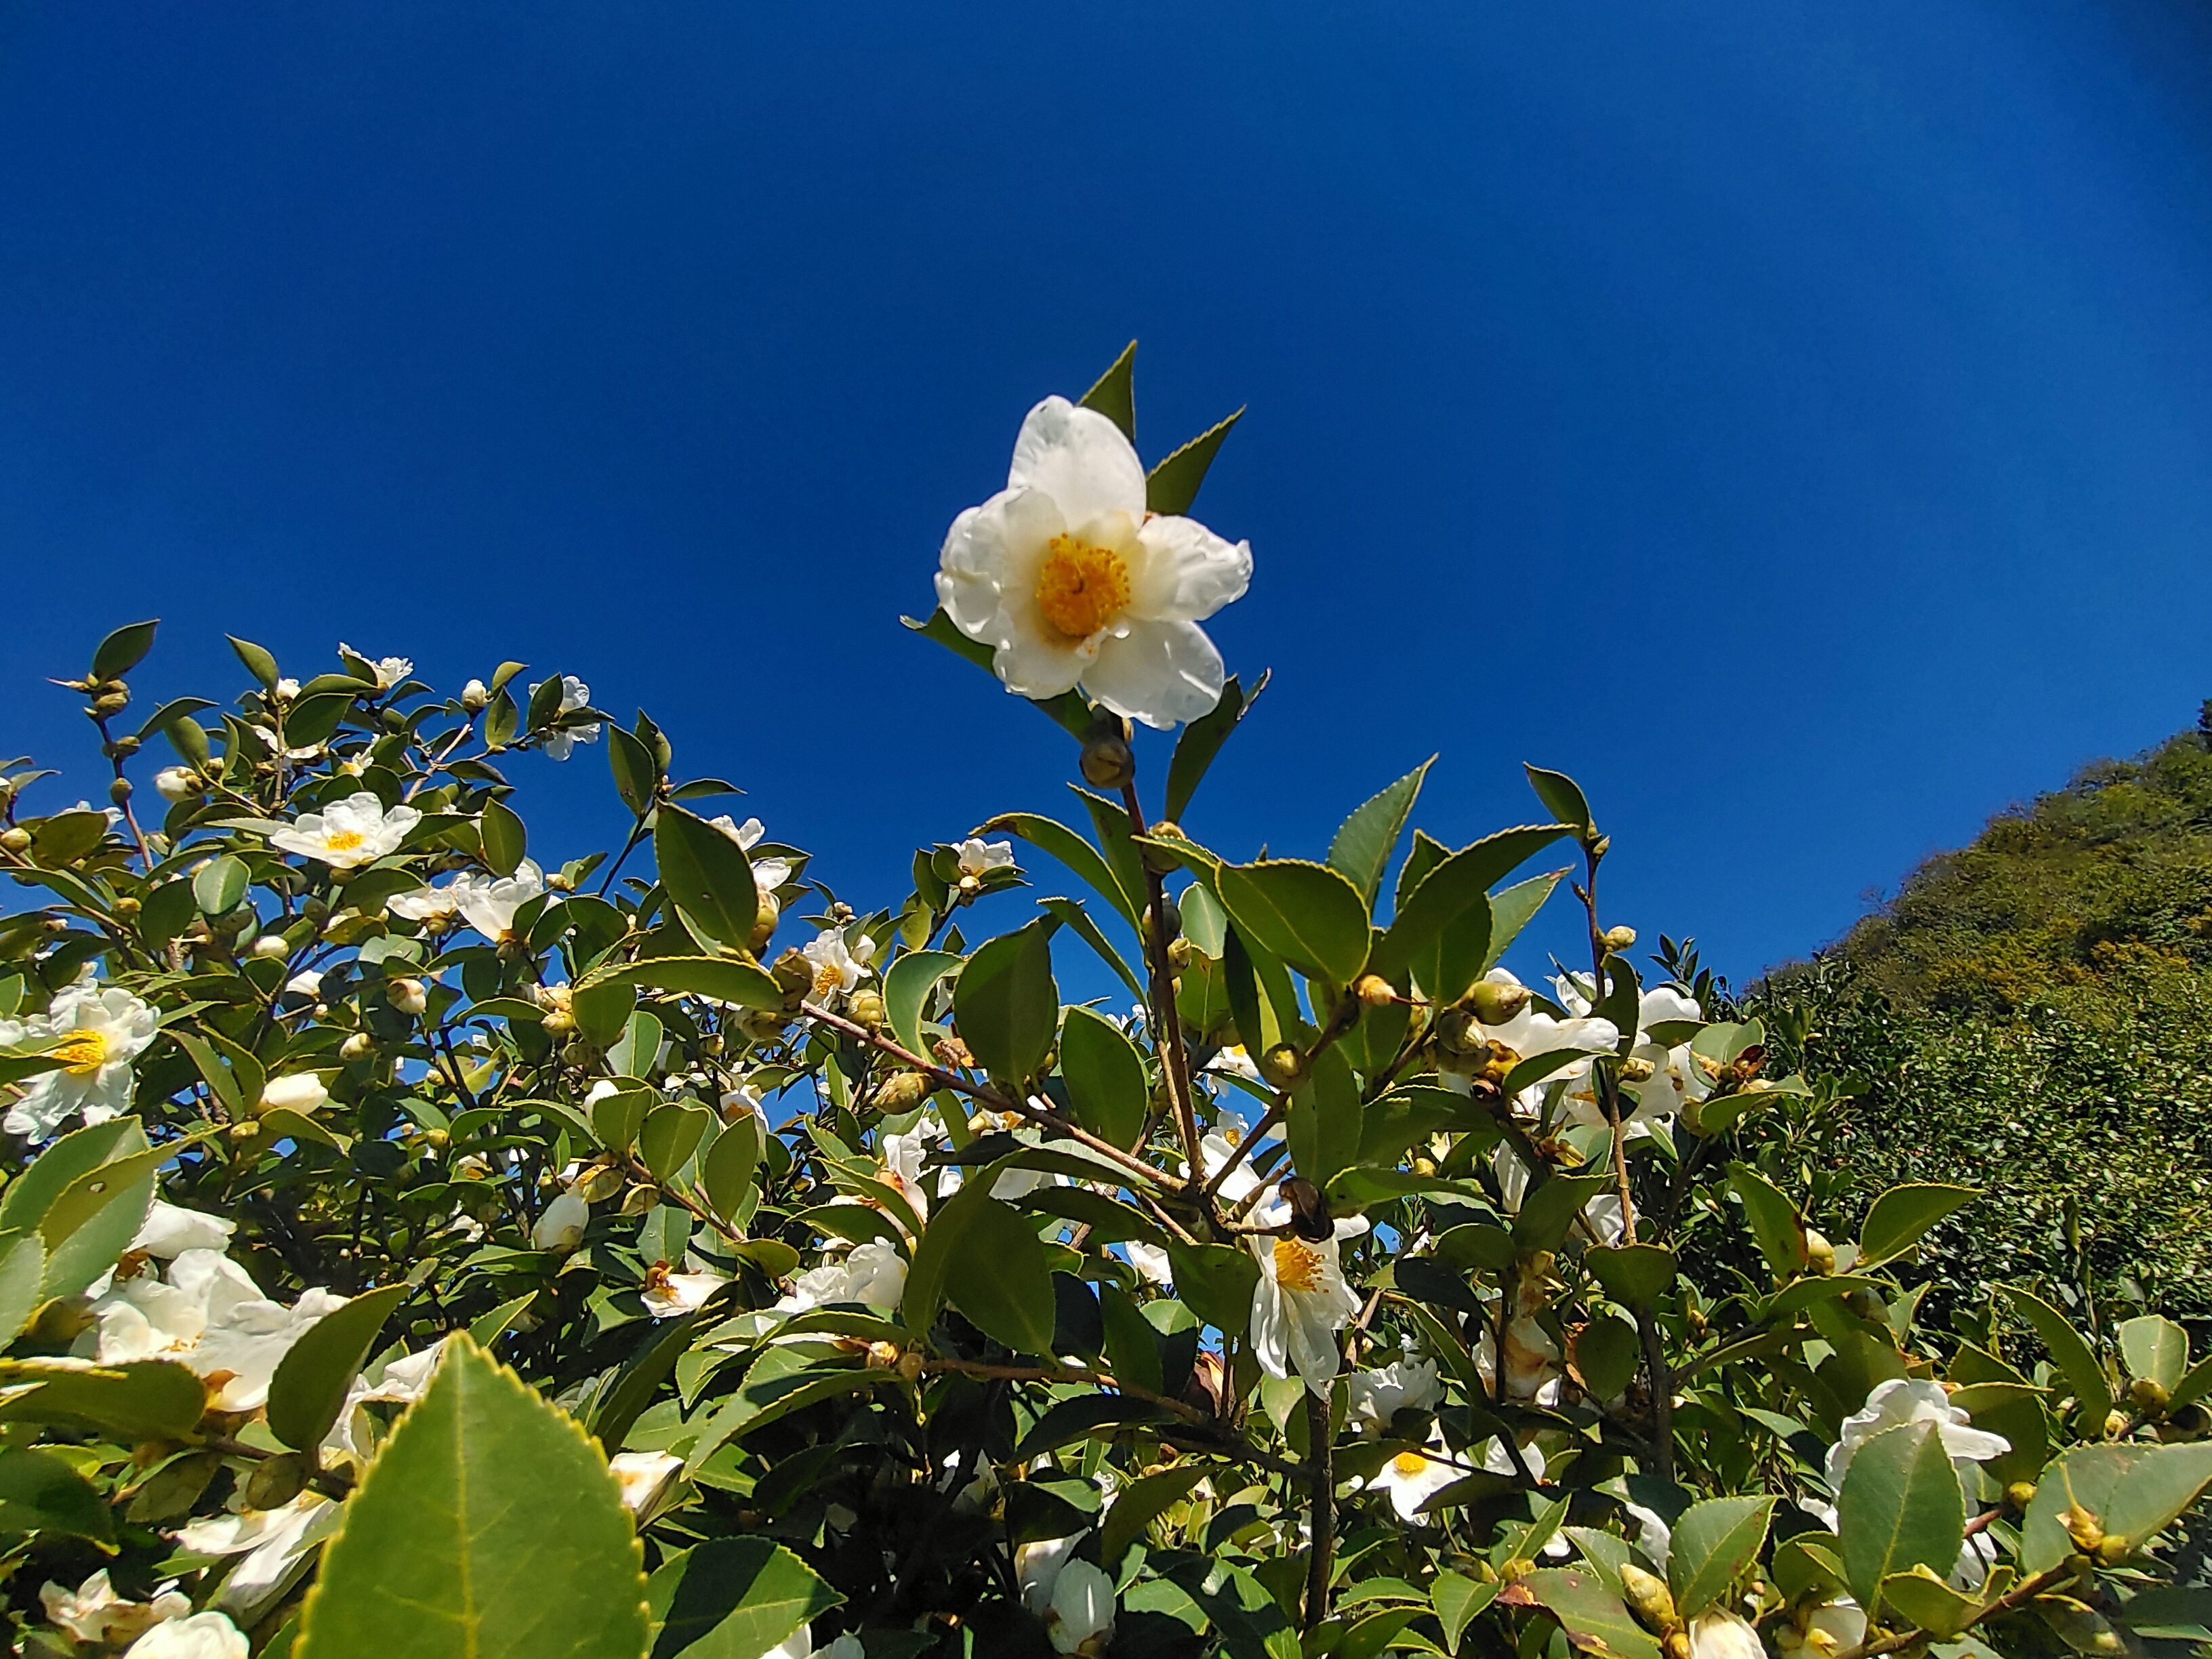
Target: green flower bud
point(1108, 762)
point(2150, 1395)
point(1649, 1599)
point(1283, 1066)
point(1494, 1004)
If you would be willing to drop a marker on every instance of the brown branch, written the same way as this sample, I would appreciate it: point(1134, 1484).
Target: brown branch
point(1320, 1488)
point(1167, 1024)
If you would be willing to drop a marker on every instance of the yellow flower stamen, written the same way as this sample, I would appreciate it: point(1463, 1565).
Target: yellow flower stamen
point(345, 841)
point(828, 980)
point(1297, 1265)
point(1409, 1464)
point(1080, 587)
point(83, 1053)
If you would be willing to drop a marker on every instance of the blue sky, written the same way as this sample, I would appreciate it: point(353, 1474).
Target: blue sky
point(1792, 421)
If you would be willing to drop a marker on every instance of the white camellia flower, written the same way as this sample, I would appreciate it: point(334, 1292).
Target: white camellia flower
point(100, 1030)
point(1405, 1384)
point(1411, 1478)
point(177, 783)
point(93, 1612)
point(171, 1230)
point(210, 1317)
point(1301, 1301)
point(348, 834)
point(838, 969)
point(1073, 1598)
point(200, 1636)
point(1901, 1400)
point(768, 874)
point(1718, 1635)
point(425, 904)
point(645, 1477)
point(308, 983)
point(278, 1546)
point(743, 1097)
point(978, 857)
point(873, 1274)
point(1070, 580)
point(390, 671)
point(401, 1383)
point(670, 1294)
point(903, 1160)
point(1234, 1061)
point(746, 834)
point(488, 902)
point(299, 1091)
point(1150, 1262)
point(560, 743)
point(562, 1226)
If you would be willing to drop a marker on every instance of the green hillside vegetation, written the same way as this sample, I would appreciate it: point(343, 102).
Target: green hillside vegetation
point(2033, 1015)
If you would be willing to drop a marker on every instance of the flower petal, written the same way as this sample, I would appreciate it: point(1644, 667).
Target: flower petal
point(1189, 572)
point(1160, 672)
point(1079, 459)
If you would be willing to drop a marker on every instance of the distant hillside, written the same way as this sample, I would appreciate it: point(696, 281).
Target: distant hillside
point(2110, 874)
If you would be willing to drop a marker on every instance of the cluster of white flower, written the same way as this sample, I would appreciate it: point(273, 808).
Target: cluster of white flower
point(97, 1030)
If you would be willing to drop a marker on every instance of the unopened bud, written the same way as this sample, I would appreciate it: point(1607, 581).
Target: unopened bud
point(1178, 953)
point(359, 1046)
point(270, 947)
point(560, 882)
point(559, 1023)
point(2084, 1529)
point(408, 996)
point(793, 971)
point(1493, 1002)
point(126, 907)
point(2116, 1425)
point(1649, 1598)
point(2150, 1395)
point(245, 1131)
point(1633, 1070)
point(1155, 860)
point(2112, 1551)
point(15, 840)
point(475, 695)
point(969, 886)
point(903, 1091)
point(1108, 762)
point(2021, 1494)
point(882, 1356)
point(1375, 990)
point(909, 1365)
point(110, 702)
point(765, 918)
point(177, 782)
point(1819, 1254)
point(1283, 1066)
point(1617, 939)
point(119, 790)
point(867, 1008)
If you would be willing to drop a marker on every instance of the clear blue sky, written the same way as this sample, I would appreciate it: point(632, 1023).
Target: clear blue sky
point(1796, 421)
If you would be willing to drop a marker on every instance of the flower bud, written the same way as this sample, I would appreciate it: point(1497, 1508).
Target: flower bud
point(1617, 939)
point(475, 695)
point(300, 1091)
point(882, 1356)
point(2112, 1551)
point(1178, 953)
point(1375, 990)
point(271, 948)
point(359, 1046)
point(559, 1023)
point(1649, 1598)
point(110, 702)
point(2149, 1395)
point(2083, 1528)
point(903, 1091)
point(793, 971)
point(1495, 1003)
point(1283, 1066)
point(126, 907)
point(2116, 1423)
point(909, 1365)
point(1155, 860)
point(1633, 1070)
point(246, 1131)
point(15, 840)
point(969, 886)
point(867, 1008)
point(177, 782)
point(765, 918)
point(1819, 1254)
point(2021, 1494)
point(408, 996)
point(1108, 762)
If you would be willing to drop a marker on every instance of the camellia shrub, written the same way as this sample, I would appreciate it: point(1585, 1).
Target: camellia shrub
point(412, 1246)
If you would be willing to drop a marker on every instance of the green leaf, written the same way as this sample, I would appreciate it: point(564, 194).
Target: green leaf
point(218, 886)
point(2154, 1348)
point(1607, 1353)
point(1172, 486)
point(1631, 1273)
point(1563, 798)
point(93, 1220)
point(1899, 1216)
point(22, 1274)
point(144, 1399)
point(2086, 1478)
point(258, 662)
point(728, 1173)
point(487, 1328)
point(1072, 915)
point(603, 1008)
point(1244, 1615)
point(505, 839)
point(1773, 1221)
point(66, 837)
point(636, 777)
point(2156, 1491)
point(1215, 1282)
point(1457, 1599)
point(309, 1388)
point(1923, 1598)
point(1307, 915)
point(1007, 1005)
point(2075, 1361)
point(40, 1491)
point(1082, 859)
point(1114, 396)
point(1900, 1508)
point(1323, 1128)
point(997, 1275)
point(1714, 1541)
point(123, 650)
point(26, 1199)
point(620, 1405)
point(907, 985)
point(708, 877)
point(725, 978)
point(1105, 1076)
point(1592, 1615)
point(671, 1133)
point(1132, 1346)
point(1451, 886)
point(488, 1527)
point(1549, 1211)
point(1201, 741)
point(732, 1598)
point(1364, 843)
point(1142, 1502)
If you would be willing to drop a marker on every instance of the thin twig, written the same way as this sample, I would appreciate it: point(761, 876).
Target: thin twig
point(1167, 1024)
point(1321, 1489)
